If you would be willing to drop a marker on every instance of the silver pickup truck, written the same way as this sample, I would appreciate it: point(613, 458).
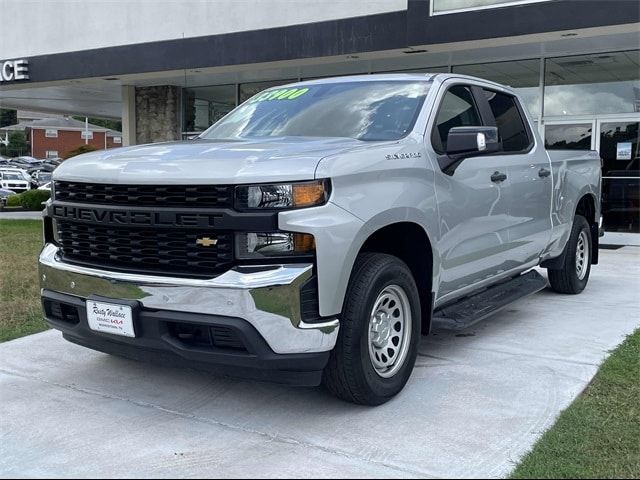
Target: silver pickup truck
point(318, 230)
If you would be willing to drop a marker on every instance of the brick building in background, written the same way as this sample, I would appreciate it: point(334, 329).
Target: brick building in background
point(55, 137)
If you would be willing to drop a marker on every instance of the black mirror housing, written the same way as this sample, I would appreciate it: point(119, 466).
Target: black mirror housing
point(465, 142)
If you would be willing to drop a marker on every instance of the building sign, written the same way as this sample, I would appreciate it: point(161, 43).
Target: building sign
point(14, 70)
point(86, 135)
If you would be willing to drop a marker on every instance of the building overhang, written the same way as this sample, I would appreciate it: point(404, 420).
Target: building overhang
point(90, 82)
point(346, 36)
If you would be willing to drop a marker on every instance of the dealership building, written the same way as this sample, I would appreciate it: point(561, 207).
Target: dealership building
point(171, 69)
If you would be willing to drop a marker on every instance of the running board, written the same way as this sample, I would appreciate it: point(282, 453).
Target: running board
point(471, 310)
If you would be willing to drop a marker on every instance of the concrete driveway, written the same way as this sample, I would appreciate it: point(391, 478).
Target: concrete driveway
point(476, 403)
point(21, 215)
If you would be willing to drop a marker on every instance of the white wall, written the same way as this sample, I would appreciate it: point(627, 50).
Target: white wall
point(36, 27)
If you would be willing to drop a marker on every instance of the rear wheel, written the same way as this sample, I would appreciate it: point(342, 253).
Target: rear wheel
point(379, 333)
point(573, 276)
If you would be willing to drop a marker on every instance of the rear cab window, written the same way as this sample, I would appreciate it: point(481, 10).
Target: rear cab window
point(513, 129)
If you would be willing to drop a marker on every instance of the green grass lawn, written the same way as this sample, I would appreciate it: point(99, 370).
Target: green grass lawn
point(598, 436)
point(20, 311)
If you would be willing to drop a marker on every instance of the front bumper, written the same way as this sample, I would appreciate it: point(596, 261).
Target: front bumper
point(267, 298)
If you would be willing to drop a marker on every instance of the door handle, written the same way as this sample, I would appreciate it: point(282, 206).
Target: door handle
point(544, 173)
point(498, 177)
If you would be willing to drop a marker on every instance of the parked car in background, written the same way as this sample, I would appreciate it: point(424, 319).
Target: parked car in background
point(14, 181)
point(26, 163)
point(4, 194)
point(44, 167)
point(24, 175)
point(41, 177)
point(53, 162)
point(46, 186)
point(27, 159)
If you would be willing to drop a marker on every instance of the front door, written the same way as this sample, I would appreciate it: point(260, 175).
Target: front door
point(474, 220)
point(618, 145)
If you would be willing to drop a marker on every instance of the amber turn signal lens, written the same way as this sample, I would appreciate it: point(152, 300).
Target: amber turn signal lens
point(308, 194)
point(303, 243)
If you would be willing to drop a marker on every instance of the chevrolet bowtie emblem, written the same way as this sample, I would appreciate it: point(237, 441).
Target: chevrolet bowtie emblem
point(206, 241)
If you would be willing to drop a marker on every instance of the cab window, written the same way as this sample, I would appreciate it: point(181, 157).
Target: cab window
point(512, 129)
point(457, 109)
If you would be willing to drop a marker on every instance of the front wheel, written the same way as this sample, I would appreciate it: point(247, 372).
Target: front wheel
point(379, 333)
point(573, 276)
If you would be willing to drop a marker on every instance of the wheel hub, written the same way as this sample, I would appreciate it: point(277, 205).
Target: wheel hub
point(381, 329)
point(389, 331)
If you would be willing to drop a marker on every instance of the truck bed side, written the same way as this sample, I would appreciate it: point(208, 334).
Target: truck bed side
point(576, 178)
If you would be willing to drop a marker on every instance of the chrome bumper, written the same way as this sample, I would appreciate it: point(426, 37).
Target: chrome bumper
point(266, 297)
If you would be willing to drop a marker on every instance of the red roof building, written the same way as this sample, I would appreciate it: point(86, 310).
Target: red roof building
point(55, 137)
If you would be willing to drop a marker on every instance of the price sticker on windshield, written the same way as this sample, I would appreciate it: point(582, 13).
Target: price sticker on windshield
point(282, 94)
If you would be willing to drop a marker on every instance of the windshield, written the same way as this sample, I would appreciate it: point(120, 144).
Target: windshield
point(11, 176)
point(367, 110)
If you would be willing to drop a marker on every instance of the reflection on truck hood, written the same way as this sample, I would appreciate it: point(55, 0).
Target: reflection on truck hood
point(206, 161)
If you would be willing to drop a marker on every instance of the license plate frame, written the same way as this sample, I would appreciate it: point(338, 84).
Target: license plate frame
point(111, 317)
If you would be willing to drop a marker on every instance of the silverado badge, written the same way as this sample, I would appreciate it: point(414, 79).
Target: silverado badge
point(206, 241)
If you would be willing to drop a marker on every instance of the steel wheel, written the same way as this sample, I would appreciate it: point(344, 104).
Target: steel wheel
point(582, 255)
point(389, 331)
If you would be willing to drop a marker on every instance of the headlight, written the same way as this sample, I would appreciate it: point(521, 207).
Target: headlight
point(280, 244)
point(282, 196)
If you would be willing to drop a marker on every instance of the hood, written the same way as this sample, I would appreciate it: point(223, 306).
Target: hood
point(205, 161)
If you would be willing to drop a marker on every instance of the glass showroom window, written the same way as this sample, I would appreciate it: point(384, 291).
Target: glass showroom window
point(418, 70)
point(522, 75)
point(574, 136)
point(603, 83)
point(447, 6)
point(203, 106)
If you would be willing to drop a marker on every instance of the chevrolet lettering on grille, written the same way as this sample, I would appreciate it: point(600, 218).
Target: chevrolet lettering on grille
point(133, 217)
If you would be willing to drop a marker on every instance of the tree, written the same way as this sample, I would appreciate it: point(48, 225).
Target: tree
point(8, 117)
point(17, 145)
point(80, 150)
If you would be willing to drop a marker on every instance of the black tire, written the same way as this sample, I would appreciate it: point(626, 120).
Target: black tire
point(566, 278)
point(350, 373)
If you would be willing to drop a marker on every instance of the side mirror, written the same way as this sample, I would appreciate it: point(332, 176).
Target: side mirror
point(463, 142)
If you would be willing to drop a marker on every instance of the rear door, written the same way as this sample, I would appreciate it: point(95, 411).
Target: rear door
point(528, 169)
